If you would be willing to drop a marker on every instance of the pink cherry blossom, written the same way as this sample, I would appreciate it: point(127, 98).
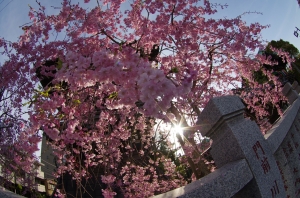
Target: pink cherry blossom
point(102, 89)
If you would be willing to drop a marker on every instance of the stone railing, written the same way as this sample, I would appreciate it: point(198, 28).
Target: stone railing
point(249, 164)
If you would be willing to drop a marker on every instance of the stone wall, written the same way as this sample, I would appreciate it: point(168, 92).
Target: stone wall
point(250, 164)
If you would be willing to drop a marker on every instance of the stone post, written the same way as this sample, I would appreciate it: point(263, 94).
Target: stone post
point(235, 138)
point(291, 92)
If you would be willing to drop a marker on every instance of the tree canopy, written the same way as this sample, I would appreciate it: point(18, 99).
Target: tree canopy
point(283, 45)
point(101, 82)
point(281, 70)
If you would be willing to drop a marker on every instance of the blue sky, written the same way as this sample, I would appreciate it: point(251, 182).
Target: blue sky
point(282, 16)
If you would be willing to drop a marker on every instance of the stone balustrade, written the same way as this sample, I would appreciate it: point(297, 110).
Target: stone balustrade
point(249, 163)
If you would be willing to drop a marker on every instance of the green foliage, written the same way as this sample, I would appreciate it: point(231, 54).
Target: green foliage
point(18, 188)
point(76, 102)
point(280, 70)
point(294, 72)
point(39, 195)
point(260, 77)
point(185, 171)
point(174, 70)
point(113, 95)
point(59, 64)
point(296, 68)
point(181, 168)
point(42, 92)
point(284, 45)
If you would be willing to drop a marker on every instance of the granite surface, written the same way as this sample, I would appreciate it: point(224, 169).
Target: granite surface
point(223, 182)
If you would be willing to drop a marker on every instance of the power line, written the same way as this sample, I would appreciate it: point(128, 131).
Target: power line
point(5, 5)
point(1, 1)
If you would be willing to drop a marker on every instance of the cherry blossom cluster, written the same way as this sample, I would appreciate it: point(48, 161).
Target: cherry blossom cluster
point(108, 73)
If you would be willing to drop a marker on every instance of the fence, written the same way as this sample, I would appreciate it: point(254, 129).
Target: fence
point(250, 164)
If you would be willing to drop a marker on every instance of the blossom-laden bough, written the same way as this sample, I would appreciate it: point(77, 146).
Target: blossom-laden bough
point(98, 81)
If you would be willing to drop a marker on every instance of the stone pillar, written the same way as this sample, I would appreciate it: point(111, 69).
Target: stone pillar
point(291, 92)
point(235, 138)
point(288, 159)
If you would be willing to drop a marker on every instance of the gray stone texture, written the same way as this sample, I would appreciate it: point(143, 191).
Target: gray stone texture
point(295, 85)
point(279, 131)
point(222, 183)
point(290, 93)
point(285, 172)
point(289, 160)
point(250, 190)
point(236, 138)
point(216, 109)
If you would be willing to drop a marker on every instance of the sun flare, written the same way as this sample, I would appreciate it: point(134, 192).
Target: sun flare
point(178, 130)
